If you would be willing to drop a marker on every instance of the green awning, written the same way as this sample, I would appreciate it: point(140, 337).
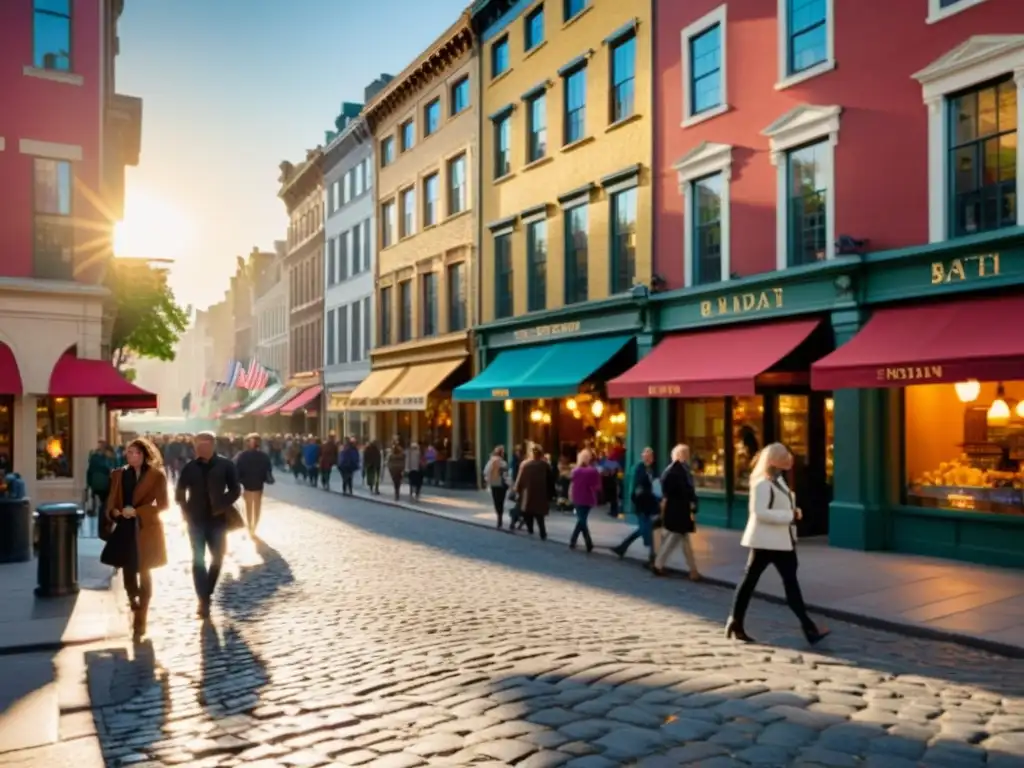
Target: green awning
point(550, 370)
point(260, 399)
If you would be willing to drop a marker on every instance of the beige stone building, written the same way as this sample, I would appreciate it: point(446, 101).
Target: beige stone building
point(424, 125)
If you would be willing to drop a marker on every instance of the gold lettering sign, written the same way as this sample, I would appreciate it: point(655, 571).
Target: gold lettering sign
point(663, 390)
point(499, 393)
point(965, 268)
point(910, 373)
point(742, 303)
point(543, 331)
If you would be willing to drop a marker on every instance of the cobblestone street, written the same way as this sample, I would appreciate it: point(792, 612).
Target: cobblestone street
point(365, 635)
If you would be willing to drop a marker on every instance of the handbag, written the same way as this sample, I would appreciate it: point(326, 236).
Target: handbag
point(234, 519)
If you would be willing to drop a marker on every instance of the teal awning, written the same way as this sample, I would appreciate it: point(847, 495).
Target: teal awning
point(550, 370)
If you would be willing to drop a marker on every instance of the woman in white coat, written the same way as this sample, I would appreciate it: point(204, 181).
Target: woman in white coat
point(771, 537)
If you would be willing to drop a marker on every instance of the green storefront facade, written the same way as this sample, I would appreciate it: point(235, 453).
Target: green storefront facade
point(857, 461)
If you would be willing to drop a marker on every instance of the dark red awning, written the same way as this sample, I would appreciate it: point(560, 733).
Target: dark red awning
point(75, 377)
point(711, 363)
point(10, 375)
point(301, 400)
point(929, 344)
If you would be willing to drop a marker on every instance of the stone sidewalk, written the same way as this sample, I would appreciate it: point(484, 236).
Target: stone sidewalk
point(928, 597)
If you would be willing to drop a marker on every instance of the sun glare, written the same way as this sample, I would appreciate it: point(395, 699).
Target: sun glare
point(151, 229)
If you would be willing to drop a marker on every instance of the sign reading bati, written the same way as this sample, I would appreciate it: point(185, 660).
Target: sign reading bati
point(965, 268)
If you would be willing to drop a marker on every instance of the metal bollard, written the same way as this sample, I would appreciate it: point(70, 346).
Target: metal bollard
point(58, 549)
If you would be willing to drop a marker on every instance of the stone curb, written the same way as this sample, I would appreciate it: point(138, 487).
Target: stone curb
point(860, 619)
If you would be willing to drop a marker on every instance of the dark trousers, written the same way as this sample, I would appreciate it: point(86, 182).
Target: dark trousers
point(498, 494)
point(371, 475)
point(311, 475)
point(346, 481)
point(582, 516)
point(208, 535)
point(541, 528)
point(785, 563)
point(415, 482)
point(396, 478)
point(139, 586)
point(325, 478)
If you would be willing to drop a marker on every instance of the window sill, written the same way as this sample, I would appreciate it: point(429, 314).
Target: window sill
point(795, 79)
point(577, 17)
point(56, 482)
point(624, 121)
point(499, 78)
point(68, 78)
point(453, 216)
point(944, 13)
point(533, 50)
point(537, 163)
point(707, 114)
point(503, 179)
point(577, 144)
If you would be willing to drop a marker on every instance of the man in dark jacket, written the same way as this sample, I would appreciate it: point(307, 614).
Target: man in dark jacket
point(372, 462)
point(254, 472)
point(207, 487)
point(646, 498)
point(348, 465)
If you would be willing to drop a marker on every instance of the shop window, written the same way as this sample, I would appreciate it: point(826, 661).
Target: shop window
point(748, 438)
point(793, 426)
point(7, 433)
point(701, 425)
point(54, 437)
point(964, 445)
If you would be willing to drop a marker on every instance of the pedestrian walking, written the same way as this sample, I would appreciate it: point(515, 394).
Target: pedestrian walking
point(585, 493)
point(134, 533)
point(348, 465)
point(678, 511)
point(97, 479)
point(207, 488)
point(414, 466)
point(372, 462)
point(254, 472)
point(496, 477)
point(396, 467)
point(328, 458)
point(771, 536)
point(646, 496)
point(534, 489)
point(311, 460)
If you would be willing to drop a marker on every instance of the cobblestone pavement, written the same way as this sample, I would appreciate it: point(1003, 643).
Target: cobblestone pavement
point(376, 637)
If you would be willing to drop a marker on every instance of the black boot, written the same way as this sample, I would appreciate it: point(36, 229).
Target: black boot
point(733, 629)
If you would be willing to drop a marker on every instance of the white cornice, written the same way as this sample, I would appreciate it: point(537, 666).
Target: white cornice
point(802, 125)
point(703, 160)
point(979, 58)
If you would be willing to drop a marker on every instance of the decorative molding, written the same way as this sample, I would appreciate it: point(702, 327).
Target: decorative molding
point(624, 178)
point(802, 125)
point(937, 13)
point(536, 90)
point(578, 196)
point(50, 149)
point(703, 160)
point(501, 112)
point(718, 17)
point(53, 75)
point(787, 79)
point(627, 29)
point(503, 226)
point(533, 213)
point(580, 61)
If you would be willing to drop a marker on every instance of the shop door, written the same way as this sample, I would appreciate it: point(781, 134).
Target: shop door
point(800, 424)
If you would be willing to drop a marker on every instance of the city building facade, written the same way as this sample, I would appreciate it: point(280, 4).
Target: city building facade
point(350, 231)
point(270, 316)
point(424, 128)
point(66, 136)
point(565, 178)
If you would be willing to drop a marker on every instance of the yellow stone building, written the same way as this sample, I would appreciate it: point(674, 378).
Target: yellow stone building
point(424, 125)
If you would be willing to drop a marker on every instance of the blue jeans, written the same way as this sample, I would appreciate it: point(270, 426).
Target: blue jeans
point(644, 530)
point(582, 513)
point(205, 535)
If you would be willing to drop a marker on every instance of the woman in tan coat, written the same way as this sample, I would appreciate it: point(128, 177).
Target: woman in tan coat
point(533, 488)
point(135, 535)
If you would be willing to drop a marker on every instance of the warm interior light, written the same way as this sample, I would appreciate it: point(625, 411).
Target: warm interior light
point(536, 415)
point(509, 405)
point(968, 391)
point(999, 412)
point(546, 419)
point(597, 408)
point(830, 404)
point(1020, 410)
point(577, 415)
point(570, 404)
point(53, 448)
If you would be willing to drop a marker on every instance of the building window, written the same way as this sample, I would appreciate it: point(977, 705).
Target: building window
point(747, 438)
point(404, 311)
point(343, 335)
point(360, 178)
point(941, 9)
point(55, 438)
point(533, 28)
point(408, 134)
point(343, 256)
point(385, 316)
point(536, 265)
point(332, 351)
point(537, 127)
point(623, 102)
point(357, 265)
point(428, 309)
point(387, 151)
point(460, 95)
point(387, 224)
point(499, 57)
point(408, 198)
point(432, 117)
point(457, 185)
point(576, 251)
point(808, 197)
point(52, 35)
point(54, 233)
point(700, 424)
point(503, 303)
point(805, 40)
point(503, 146)
point(332, 261)
point(348, 187)
point(623, 240)
point(707, 229)
point(575, 85)
point(573, 8)
point(706, 70)
point(367, 324)
point(983, 158)
point(457, 320)
point(357, 333)
point(366, 245)
point(431, 190)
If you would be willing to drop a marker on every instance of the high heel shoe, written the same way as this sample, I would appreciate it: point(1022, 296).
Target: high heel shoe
point(734, 630)
point(815, 635)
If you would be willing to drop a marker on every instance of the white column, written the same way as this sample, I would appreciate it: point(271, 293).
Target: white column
point(1018, 78)
point(686, 189)
point(938, 181)
point(778, 159)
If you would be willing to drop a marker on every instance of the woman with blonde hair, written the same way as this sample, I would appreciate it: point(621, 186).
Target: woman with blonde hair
point(771, 538)
point(135, 535)
point(584, 492)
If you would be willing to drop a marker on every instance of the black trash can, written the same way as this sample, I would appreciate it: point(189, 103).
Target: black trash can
point(58, 549)
point(15, 531)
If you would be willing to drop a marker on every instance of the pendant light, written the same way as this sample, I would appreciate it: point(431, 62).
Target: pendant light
point(968, 391)
point(999, 412)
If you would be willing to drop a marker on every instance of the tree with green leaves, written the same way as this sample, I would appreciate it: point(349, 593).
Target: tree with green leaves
point(148, 321)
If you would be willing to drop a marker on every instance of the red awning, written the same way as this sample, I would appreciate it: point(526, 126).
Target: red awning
point(711, 363)
point(74, 377)
point(929, 344)
point(10, 376)
point(301, 400)
point(275, 404)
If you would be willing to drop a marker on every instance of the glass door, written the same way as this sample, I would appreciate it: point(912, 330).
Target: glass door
point(802, 425)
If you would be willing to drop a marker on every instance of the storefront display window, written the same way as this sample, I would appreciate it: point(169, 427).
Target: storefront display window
point(793, 427)
point(964, 445)
point(7, 433)
point(358, 426)
point(435, 426)
point(700, 424)
point(53, 438)
point(747, 436)
point(830, 439)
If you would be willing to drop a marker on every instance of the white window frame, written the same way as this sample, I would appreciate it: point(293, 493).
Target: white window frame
point(708, 159)
point(938, 13)
point(787, 79)
point(802, 125)
point(703, 24)
point(977, 60)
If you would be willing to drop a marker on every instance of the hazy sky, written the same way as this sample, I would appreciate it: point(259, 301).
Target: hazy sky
point(230, 89)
